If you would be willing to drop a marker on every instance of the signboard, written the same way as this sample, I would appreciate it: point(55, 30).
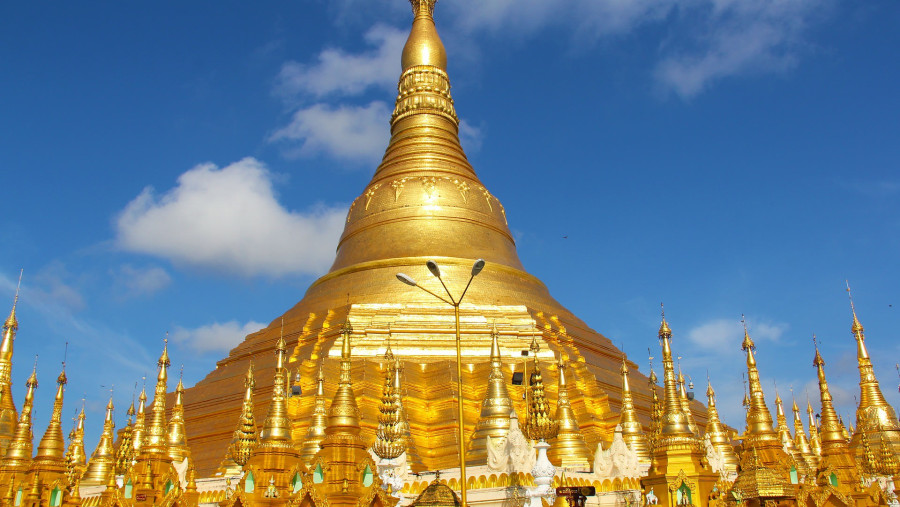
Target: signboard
point(140, 497)
point(576, 491)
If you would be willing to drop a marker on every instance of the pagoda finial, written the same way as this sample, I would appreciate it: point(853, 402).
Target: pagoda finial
point(75, 459)
point(715, 430)
point(343, 415)
point(18, 455)
point(177, 434)
point(11, 321)
point(103, 460)
point(539, 423)
point(316, 432)
point(424, 46)
point(493, 420)
point(276, 430)
point(570, 448)
point(874, 414)
point(389, 436)
point(140, 427)
point(245, 438)
point(632, 432)
point(52, 448)
point(759, 419)
point(784, 433)
point(830, 432)
point(686, 402)
point(156, 440)
point(674, 420)
point(801, 441)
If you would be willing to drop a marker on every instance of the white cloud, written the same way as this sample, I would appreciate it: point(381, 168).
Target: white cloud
point(470, 136)
point(336, 71)
point(724, 336)
point(701, 41)
point(135, 281)
point(215, 337)
point(230, 219)
point(346, 132)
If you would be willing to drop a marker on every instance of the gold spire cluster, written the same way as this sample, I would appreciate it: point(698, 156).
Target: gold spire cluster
point(539, 423)
point(389, 436)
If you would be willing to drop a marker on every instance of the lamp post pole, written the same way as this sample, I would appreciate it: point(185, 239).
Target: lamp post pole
point(435, 270)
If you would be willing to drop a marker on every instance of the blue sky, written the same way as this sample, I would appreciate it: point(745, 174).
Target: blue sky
point(723, 156)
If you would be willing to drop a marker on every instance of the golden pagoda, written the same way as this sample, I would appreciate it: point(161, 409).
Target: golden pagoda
point(875, 418)
point(390, 437)
point(495, 408)
point(76, 462)
point(103, 459)
point(718, 435)
point(274, 471)
point(245, 437)
point(125, 445)
point(140, 425)
point(153, 479)
point(686, 402)
point(766, 470)
point(424, 202)
point(48, 468)
point(837, 473)
point(568, 449)
point(8, 414)
point(177, 434)
point(632, 430)
point(814, 443)
point(801, 442)
point(679, 473)
point(343, 472)
point(18, 454)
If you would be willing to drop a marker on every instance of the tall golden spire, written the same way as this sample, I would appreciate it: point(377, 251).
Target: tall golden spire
point(177, 437)
point(424, 46)
point(140, 426)
point(830, 434)
point(389, 436)
point(656, 408)
point(18, 455)
point(539, 423)
point(874, 415)
point(103, 460)
point(685, 402)
point(52, 448)
point(495, 408)
point(632, 431)
point(8, 414)
point(814, 442)
point(276, 430)
point(76, 461)
point(801, 442)
point(759, 419)
point(245, 437)
point(156, 438)
point(316, 432)
point(674, 420)
point(784, 433)
point(569, 450)
point(715, 430)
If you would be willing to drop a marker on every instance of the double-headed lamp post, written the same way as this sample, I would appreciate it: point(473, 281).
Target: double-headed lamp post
point(454, 302)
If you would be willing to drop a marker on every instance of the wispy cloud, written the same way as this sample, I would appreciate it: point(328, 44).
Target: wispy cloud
point(131, 281)
point(700, 41)
point(230, 219)
point(344, 132)
point(215, 337)
point(338, 72)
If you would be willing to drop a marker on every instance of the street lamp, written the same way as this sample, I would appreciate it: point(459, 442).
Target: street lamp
point(454, 302)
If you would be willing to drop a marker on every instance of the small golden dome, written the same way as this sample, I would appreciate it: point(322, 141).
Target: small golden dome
point(437, 494)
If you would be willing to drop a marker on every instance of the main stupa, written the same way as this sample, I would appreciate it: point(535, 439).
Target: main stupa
point(423, 202)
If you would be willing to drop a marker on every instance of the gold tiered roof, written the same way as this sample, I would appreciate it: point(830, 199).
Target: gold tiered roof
point(424, 201)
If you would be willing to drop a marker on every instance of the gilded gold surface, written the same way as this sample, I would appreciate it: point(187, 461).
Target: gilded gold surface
point(423, 202)
point(177, 435)
point(103, 459)
point(718, 435)
point(632, 430)
point(8, 414)
point(496, 406)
